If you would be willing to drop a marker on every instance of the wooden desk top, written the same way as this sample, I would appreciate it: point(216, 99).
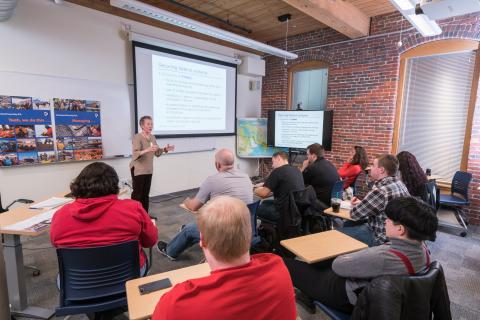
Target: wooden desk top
point(434, 177)
point(23, 212)
point(343, 213)
point(142, 306)
point(322, 246)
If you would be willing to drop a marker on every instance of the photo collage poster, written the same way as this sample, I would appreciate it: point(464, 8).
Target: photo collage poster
point(27, 134)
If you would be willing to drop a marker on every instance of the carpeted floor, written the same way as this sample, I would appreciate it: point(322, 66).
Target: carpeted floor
point(460, 258)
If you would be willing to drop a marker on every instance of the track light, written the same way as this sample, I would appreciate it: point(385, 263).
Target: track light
point(189, 24)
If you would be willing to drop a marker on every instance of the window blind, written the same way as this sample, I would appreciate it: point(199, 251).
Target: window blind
point(434, 114)
point(310, 89)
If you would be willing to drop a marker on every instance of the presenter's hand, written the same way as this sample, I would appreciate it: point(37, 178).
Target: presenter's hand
point(153, 148)
point(169, 148)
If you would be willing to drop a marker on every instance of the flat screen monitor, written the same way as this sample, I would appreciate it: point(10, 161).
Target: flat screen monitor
point(299, 129)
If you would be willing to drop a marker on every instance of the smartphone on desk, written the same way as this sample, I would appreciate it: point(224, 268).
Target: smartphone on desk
point(154, 286)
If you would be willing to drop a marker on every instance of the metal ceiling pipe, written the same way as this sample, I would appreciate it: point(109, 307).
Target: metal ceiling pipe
point(7, 7)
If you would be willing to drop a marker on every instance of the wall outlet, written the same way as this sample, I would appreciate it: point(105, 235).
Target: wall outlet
point(126, 183)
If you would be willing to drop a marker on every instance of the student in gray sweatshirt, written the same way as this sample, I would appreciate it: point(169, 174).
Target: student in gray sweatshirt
point(336, 283)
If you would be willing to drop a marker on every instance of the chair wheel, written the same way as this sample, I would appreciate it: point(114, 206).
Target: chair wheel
point(36, 273)
point(463, 234)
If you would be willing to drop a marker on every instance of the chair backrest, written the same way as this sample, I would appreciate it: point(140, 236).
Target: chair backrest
point(93, 279)
point(337, 189)
point(460, 183)
point(431, 195)
point(252, 207)
point(405, 297)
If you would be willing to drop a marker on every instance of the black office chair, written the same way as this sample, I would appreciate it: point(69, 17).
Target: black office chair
point(458, 197)
point(337, 189)
point(92, 280)
point(332, 313)
point(401, 298)
point(252, 207)
point(432, 195)
point(299, 212)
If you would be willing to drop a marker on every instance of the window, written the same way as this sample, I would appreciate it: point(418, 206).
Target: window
point(308, 86)
point(435, 107)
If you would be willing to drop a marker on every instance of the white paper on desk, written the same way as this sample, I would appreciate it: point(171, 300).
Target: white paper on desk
point(53, 202)
point(35, 223)
point(346, 205)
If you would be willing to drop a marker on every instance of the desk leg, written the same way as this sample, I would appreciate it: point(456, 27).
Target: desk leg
point(17, 291)
point(4, 304)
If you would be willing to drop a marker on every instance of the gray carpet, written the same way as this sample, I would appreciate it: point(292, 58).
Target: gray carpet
point(460, 258)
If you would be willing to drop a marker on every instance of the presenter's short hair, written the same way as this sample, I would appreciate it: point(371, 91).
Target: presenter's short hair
point(389, 162)
point(316, 149)
point(226, 229)
point(98, 179)
point(280, 154)
point(142, 119)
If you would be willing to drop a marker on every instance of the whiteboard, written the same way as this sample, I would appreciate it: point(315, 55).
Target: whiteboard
point(117, 111)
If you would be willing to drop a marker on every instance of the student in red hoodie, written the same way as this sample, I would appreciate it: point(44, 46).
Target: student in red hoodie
point(98, 218)
point(351, 169)
point(239, 286)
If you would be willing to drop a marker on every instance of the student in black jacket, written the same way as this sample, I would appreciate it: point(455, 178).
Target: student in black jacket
point(320, 173)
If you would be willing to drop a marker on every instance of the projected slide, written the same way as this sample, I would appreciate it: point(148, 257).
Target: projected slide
point(298, 129)
point(187, 95)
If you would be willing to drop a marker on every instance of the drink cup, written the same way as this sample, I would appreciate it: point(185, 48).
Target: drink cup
point(336, 204)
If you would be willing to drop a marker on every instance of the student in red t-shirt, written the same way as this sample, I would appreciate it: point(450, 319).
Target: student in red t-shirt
point(240, 286)
point(351, 169)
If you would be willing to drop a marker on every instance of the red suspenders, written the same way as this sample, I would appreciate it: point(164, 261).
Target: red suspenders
point(408, 264)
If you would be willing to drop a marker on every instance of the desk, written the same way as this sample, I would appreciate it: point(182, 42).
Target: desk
point(14, 267)
point(343, 213)
point(322, 246)
point(434, 177)
point(4, 304)
point(142, 306)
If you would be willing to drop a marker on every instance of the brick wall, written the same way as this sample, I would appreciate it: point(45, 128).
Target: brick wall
point(362, 85)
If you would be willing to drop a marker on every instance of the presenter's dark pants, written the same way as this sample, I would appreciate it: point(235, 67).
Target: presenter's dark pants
point(141, 188)
point(319, 282)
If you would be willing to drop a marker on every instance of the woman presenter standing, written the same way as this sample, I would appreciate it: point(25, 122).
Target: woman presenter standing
point(144, 147)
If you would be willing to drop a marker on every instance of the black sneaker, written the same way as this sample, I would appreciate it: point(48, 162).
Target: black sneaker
point(305, 301)
point(162, 248)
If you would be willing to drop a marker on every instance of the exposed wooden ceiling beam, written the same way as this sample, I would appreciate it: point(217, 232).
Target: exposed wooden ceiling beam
point(337, 14)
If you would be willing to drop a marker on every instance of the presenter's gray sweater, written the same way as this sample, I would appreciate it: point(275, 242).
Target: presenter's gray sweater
point(362, 266)
point(143, 164)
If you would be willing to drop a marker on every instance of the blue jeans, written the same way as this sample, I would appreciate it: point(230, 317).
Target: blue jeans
point(361, 232)
point(183, 240)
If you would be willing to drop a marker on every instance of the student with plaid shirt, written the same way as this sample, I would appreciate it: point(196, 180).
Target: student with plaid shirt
point(369, 214)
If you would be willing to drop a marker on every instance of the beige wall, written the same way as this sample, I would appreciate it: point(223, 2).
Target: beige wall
point(79, 43)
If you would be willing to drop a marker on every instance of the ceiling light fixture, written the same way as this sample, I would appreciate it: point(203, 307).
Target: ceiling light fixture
point(190, 24)
point(421, 22)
